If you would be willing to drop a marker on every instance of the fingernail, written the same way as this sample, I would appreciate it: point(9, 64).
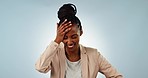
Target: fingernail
point(69, 21)
point(65, 19)
point(70, 24)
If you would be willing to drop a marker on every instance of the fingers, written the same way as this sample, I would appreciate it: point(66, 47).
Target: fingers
point(58, 26)
point(64, 27)
point(65, 31)
point(65, 24)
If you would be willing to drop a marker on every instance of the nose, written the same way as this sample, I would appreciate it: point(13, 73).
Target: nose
point(69, 41)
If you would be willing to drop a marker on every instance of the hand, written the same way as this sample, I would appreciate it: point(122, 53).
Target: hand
point(61, 30)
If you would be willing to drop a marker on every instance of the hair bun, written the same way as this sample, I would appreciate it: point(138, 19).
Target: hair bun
point(67, 10)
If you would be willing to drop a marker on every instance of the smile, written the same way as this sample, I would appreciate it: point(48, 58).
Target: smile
point(70, 46)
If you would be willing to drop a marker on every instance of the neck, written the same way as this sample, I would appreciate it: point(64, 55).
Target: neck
point(73, 56)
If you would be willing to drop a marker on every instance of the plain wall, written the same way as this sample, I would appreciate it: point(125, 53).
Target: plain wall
point(117, 28)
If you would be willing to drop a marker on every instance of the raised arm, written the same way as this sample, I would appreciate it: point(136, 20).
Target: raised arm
point(44, 62)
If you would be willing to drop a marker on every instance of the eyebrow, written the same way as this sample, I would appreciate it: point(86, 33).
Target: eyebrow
point(75, 35)
point(72, 35)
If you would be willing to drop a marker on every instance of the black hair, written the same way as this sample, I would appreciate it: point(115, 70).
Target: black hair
point(68, 11)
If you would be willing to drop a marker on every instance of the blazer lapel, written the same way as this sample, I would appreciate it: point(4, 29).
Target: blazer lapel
point(62, 61)
point(84, 62)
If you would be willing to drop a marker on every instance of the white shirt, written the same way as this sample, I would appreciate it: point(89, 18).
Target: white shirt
point(73, 69)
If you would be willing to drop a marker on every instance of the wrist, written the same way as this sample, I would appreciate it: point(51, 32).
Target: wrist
point(57, 41)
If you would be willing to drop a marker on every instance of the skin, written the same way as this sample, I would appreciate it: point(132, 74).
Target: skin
point(69, 34)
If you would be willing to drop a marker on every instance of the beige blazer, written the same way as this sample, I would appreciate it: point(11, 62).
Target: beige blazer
point(92, 62)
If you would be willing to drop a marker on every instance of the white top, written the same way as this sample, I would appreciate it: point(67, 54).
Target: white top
point(73, 69)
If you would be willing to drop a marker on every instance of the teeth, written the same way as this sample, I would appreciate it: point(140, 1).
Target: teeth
point(70, 46)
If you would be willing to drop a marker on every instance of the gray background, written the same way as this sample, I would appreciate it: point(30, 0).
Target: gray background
point(117, 28)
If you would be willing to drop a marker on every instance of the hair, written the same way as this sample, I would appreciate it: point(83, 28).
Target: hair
point(68, 11)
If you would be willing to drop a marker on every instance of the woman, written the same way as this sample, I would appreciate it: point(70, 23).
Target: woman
point(66, 58)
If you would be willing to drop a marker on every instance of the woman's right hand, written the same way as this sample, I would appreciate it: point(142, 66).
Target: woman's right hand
point(62, 29)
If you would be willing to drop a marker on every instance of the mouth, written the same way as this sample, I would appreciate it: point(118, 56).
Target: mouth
point(70, 46)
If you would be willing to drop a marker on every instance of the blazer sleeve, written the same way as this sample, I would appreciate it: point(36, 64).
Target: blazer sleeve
point(43, 64)
point(107, 69)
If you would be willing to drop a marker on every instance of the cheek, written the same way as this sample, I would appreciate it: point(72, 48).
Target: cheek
point(77, 40)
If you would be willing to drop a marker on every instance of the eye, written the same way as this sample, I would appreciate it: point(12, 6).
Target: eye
point(74, 36)
point(65, 37)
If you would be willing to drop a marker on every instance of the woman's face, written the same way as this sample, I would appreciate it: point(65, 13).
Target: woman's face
point(71, 39)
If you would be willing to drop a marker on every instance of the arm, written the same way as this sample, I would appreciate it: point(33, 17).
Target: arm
point(107, 69)
point(43, 64)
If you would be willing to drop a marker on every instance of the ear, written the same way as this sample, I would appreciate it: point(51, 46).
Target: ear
point(81, 32)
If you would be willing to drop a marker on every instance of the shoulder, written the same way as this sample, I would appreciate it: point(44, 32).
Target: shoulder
point(90, 50)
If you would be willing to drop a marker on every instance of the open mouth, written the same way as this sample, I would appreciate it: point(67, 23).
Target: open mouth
point(70, 46)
